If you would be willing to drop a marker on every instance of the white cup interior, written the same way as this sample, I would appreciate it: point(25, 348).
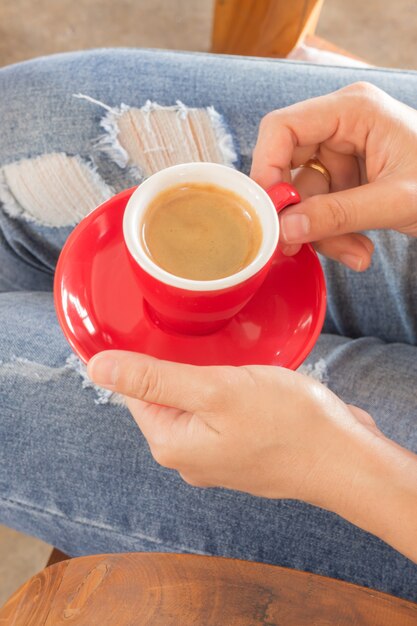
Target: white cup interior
point(210, 173)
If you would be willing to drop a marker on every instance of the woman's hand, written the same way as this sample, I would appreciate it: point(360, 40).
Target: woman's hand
point(264, 430)
point(270, 432)
point(368, 142)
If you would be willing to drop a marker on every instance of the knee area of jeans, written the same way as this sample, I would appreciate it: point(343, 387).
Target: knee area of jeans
point(57, 189)
point(16, 368)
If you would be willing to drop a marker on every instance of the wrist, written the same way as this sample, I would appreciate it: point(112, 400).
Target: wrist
point(379, 491)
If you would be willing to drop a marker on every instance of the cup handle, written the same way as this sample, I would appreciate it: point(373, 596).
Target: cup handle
point(282, 195)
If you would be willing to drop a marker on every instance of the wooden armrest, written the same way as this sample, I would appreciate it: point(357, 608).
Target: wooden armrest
point(262, 27)
point(173, 589)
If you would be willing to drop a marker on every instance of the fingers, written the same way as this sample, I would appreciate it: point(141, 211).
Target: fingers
point(191, 479)
point(342, 120)
point(361, 415)
point(341, 128)
point(176, 438)
point(343, 168)
point(156, 424)
point(184, 387)
point(282, 132)
point(354, 250)
point(382, 204)
point(364, 418)
point(310, 182)
point(290, 250)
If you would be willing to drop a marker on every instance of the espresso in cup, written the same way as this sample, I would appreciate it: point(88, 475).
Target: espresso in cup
point(221, 281)
point(200, 231)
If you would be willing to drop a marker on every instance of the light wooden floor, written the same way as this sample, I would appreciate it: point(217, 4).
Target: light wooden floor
point(382, 33)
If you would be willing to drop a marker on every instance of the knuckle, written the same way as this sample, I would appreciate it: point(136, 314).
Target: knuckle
point(337, 215)
point(158, 439)
point(191, 480)
point(145, 382)
point(217, 390)
point(267, 120)
point(407, 190)
point(362, 97)
point(365, 88)
point(269, 124)
point(212, 392)
point(365, 92)
point(163, 456)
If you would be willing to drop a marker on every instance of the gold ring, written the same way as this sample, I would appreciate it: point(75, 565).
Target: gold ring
point(317, 165)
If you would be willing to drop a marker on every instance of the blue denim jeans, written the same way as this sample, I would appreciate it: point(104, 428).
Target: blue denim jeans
point(74, 468)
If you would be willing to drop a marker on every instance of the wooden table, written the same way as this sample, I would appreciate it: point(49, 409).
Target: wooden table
point(180, 590)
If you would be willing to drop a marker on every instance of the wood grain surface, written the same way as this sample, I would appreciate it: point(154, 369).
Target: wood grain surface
point(180, 590)
point(270, 28)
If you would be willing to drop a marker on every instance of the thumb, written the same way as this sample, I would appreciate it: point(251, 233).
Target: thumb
point(185, 387)
point(380, 204)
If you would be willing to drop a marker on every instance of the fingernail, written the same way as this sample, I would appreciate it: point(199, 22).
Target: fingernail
point(291, 249)
point(352, 261)
point(295, 226)
point(102, 369)
point(368, 245)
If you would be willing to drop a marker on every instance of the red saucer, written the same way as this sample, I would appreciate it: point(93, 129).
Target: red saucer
point(100, 306)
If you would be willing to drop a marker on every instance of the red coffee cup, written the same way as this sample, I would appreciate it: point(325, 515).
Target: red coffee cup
point(202, 306)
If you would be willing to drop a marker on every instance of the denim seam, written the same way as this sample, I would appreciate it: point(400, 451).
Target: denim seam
point(108, 529)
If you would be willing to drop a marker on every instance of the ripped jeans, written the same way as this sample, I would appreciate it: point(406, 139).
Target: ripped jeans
point(74, 468)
